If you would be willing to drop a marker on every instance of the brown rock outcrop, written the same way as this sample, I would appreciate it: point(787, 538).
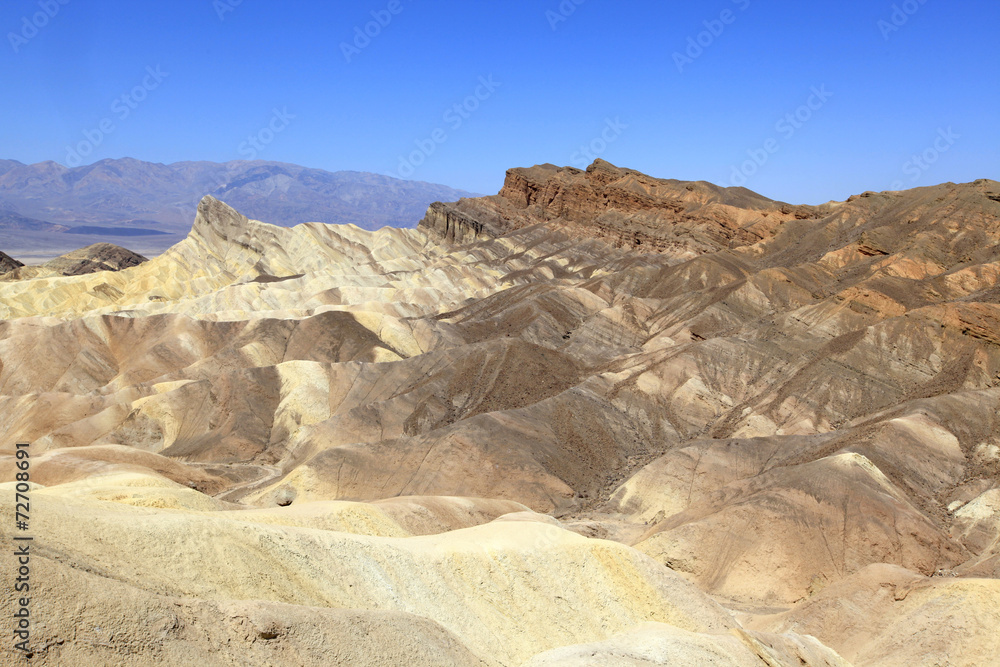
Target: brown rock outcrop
point(622, 207)
point(93, 258)
point(8, 263)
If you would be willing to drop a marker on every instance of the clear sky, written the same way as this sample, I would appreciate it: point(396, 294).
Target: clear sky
point(800, 101)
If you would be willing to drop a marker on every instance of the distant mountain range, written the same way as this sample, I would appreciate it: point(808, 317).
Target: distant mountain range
point(15, 222)
point(128, 197)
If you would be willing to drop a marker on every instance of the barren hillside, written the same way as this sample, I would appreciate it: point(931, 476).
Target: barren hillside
point(596, 417)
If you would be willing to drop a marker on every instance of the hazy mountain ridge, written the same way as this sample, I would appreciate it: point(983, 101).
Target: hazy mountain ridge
point(11, 221)
point(116, 192)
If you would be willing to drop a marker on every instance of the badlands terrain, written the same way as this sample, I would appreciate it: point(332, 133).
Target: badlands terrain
point(597, 419)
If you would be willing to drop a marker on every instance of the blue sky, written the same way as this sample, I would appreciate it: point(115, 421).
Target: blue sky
point(803, 102)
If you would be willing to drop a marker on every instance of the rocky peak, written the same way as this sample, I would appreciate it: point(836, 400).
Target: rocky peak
point(8, 263)
point(93, 258)
point(215, 218)
point(221, 228)
point(623, 207)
